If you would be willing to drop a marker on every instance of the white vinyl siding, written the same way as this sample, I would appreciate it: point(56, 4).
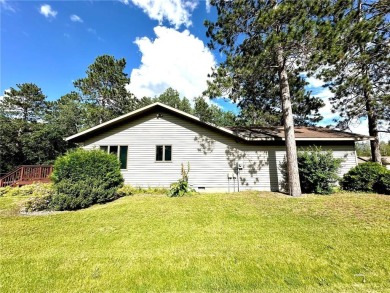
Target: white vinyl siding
point(211, 155)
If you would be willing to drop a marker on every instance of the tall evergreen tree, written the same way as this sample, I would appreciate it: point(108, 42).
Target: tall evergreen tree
point(263, 38)
point(26, 103)
point(358, 64)
point(104, 89)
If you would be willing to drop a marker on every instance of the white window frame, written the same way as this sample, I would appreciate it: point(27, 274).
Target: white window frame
point(163, 154)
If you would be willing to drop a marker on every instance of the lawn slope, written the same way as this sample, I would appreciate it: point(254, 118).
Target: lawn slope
point(247, 242)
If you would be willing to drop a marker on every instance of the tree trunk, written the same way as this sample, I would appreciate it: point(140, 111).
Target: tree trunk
point(371, 115)
point(291, 148)
point(373, 130)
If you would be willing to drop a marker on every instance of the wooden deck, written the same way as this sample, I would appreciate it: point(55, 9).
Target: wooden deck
point(27, 174)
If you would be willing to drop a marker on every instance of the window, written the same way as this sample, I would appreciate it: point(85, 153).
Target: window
point(121, 155)
point(163, 153)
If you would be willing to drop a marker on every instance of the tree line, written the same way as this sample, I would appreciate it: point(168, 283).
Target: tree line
point(32, 127)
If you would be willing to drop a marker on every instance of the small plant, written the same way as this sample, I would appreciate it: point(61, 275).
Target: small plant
point(37, 204)
point(181, 187)
point(363, 177)
point(32, 190)
point(317, 171)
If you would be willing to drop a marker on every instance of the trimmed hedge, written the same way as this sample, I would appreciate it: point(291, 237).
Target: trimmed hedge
point(85, 177)
point(363, 177)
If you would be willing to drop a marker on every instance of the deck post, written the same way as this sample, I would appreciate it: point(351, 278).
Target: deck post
point(21, 173)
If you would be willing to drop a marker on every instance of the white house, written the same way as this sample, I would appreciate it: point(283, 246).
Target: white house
point(152, 143)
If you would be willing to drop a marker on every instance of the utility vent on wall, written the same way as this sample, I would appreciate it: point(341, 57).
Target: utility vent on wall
point(203, 188)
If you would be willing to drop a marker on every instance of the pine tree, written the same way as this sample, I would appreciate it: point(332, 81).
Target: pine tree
point(26, 103)
point(261, 39)
point(357, 56)
point(104, 89)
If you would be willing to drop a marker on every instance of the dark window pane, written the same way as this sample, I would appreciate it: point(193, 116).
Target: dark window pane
point(104, 148)
point(168, 153)
point(123, 156)
point(159, 152)
point(113, 149)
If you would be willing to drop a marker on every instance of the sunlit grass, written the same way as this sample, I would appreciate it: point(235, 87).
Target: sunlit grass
point(204, 243)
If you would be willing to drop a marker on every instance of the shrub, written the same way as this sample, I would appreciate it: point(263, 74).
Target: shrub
point(82, 178)
point(362, 177)
point(181, 187)
point(317, 171)
point(383, 184)
point(37, 204)
point(125, 190)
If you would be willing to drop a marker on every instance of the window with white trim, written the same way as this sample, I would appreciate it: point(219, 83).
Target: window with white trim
point(163, 153)
point(121, 154)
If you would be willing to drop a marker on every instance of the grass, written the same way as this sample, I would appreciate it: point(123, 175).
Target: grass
point(246, 242)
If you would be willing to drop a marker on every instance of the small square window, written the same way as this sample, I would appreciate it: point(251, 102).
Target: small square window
point(163, 153)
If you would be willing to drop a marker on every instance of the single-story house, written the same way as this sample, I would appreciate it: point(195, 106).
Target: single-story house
point(153, 142)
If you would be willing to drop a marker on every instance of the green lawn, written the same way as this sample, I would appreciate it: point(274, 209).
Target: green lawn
point(247, 242)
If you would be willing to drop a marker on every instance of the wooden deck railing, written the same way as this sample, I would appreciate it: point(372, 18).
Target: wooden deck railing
point(27, 174)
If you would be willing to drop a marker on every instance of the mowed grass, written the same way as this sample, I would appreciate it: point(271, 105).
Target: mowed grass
point(246, 242)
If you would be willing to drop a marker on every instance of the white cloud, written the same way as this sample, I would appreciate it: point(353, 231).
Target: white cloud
point(174, 59)
point(208, 6)
point(6, 6)
point(75, 18)
point(314, 82)
point(177, 12)
point(47, 11)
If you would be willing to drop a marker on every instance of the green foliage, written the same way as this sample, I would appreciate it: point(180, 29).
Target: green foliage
point(364, 150)
point(104, 89)
point(28, 134)
point(213, 114)
point(181, 187)
point(26, 103)
point(363, 177)
point(357, 62)
point(128, 190)
point(251, 34)
point(82, 178)
point(317, 171)
point(31, 190)
point(383, 184)
point(36, 204)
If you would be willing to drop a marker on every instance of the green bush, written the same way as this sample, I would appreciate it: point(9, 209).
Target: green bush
point(181, 187)
point(383, 184)
point(363, 177)
point(317, 171)
point(82, 178)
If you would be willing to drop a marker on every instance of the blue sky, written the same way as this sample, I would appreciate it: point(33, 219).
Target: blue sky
point(51, 44)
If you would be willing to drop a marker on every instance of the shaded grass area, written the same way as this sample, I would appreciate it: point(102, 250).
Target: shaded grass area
point(246, 242)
